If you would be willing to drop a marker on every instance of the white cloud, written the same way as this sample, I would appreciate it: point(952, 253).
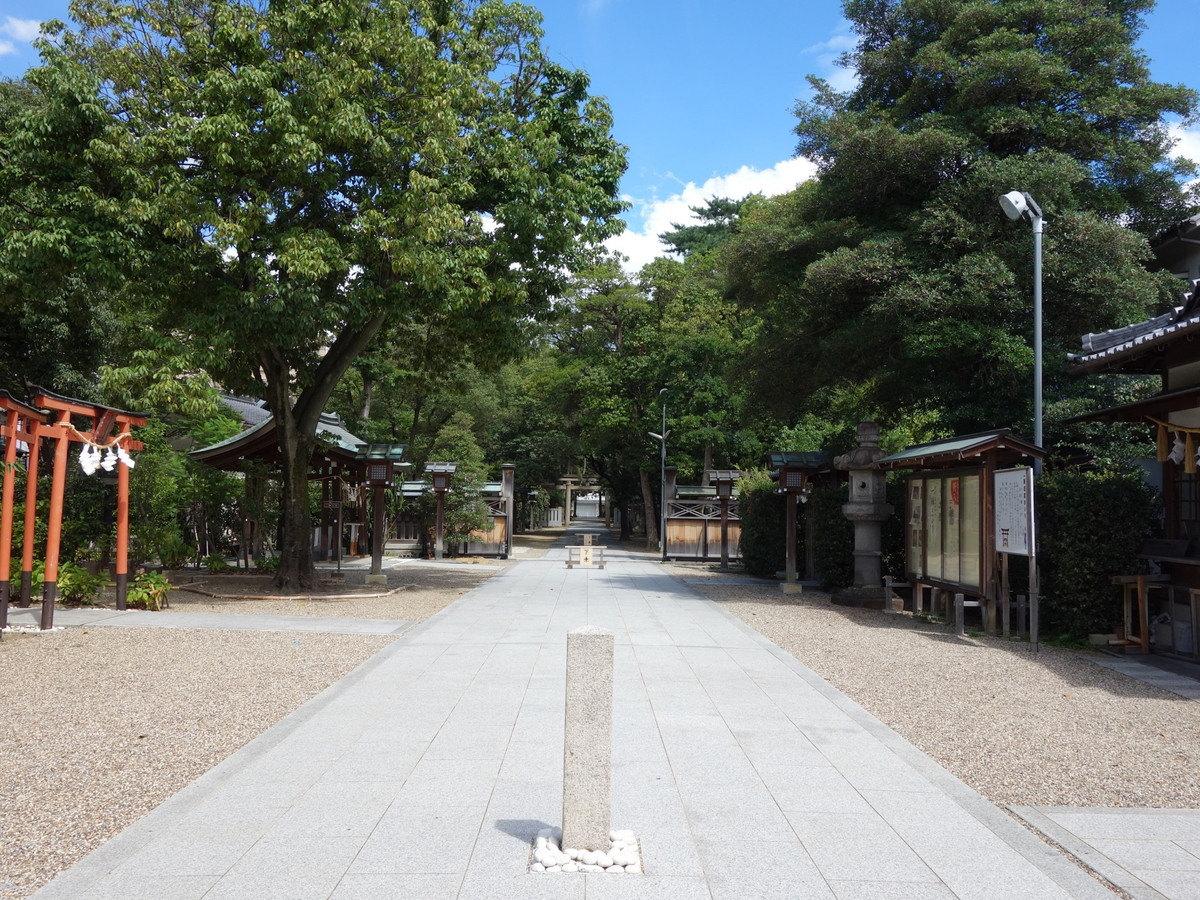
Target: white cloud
point(24, 30)
point(7, 47)
point(826, 55)
point(640, 242)
point(1187, 142)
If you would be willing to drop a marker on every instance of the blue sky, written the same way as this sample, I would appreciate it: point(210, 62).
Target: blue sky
point(701, 90)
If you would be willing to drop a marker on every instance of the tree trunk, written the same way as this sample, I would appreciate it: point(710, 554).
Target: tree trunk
point(296, 569)
point(626, 527)
point(707, 464)
point(296, 423)
point(651, 512)
point(368, 385)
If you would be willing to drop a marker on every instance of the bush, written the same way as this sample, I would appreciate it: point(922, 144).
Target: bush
point(1079, 551)
point(267, 564)
point(764, 525)
point(148, 591)
point(75, 585)
point(832, 535)
point(215, 562)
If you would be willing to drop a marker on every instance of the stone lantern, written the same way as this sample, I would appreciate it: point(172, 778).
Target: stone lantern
point(868, 510)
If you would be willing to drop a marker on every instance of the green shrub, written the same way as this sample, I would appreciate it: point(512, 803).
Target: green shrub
point(172, 550)
point(148, 591)
point(764, 525)
point(268, 564)
point(76, 585)
point(832, 535)
point(1091, 526)
point(215, 562)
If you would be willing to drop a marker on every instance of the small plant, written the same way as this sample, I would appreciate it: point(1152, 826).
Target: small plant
point(215, 562)
point(75, 585)
point(173, 551)
point(268, 564)
point(148, 591)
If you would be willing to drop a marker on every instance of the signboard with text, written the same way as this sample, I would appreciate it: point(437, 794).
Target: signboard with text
point(1014, 512)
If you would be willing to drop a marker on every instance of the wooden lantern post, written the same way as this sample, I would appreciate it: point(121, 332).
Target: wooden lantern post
point(792, 482)
point(724, 479)
point(440, 472)
point(379, 477)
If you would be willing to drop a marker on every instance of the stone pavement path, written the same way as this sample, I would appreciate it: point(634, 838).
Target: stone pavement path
point(428, 771)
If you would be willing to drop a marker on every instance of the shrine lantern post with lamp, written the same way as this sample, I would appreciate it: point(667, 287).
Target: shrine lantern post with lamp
point(380, 462)
point(440, 472)
point(723, 479)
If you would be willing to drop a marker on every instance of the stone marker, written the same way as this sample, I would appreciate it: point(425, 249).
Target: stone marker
point(587, 757)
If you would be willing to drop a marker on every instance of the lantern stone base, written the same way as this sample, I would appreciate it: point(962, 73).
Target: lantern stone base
point(377, 579)
point(793, 587)
point(869, 597)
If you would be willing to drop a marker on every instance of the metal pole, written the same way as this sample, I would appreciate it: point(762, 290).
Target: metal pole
point(1037, 338)
point(662, 486)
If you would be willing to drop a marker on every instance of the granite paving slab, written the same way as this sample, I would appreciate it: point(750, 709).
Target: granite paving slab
point(429, 770)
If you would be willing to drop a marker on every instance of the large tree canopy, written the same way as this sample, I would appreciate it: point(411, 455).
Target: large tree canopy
point(277, 181)
point(894, 286)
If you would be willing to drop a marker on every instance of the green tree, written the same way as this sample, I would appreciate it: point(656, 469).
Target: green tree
point(893, 286)
point(276, 182)
point(465, 510)
point(718, 219)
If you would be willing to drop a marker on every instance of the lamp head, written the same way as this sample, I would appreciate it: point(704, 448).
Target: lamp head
point(1014, 205)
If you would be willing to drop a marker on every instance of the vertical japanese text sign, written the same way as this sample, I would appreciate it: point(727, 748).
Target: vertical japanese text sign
point(1014, 512)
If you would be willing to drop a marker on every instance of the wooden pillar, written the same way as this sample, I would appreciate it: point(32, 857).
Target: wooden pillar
point(439, 535)
point(508, 478)
point(31, 481)
point(122, 564)
point(6, 512)
point(58, 487)
point(790, 565)
point(377, 529)
point(724, 534)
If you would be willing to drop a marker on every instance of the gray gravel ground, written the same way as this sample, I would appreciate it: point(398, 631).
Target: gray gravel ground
point(1044, 729)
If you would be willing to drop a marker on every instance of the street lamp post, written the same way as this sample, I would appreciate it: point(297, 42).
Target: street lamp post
point(662, 478)
point(1018, 204)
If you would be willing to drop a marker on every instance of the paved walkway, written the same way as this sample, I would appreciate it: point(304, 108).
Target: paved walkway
point(427, 772)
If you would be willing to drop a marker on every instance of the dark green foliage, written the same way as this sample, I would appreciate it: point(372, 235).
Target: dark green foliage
point(764, 525)
point(894, 286)
point(1077, 557)
point(833, 535)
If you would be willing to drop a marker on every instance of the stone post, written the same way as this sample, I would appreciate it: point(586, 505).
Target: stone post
point(868, 510)
point(587, 757)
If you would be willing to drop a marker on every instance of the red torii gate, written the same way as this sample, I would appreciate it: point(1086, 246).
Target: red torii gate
point(28, 424)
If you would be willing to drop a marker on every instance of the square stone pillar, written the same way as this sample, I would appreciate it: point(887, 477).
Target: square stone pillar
point(587, 757)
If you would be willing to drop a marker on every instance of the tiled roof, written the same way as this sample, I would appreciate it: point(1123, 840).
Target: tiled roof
point(956, 449)
point(252, 412)
point(1121, 345)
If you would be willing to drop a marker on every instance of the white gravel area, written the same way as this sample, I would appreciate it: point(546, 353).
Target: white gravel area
point(1039, 729)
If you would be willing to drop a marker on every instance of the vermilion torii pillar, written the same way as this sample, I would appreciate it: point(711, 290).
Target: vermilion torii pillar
point(102, 420)
point(21, 423)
